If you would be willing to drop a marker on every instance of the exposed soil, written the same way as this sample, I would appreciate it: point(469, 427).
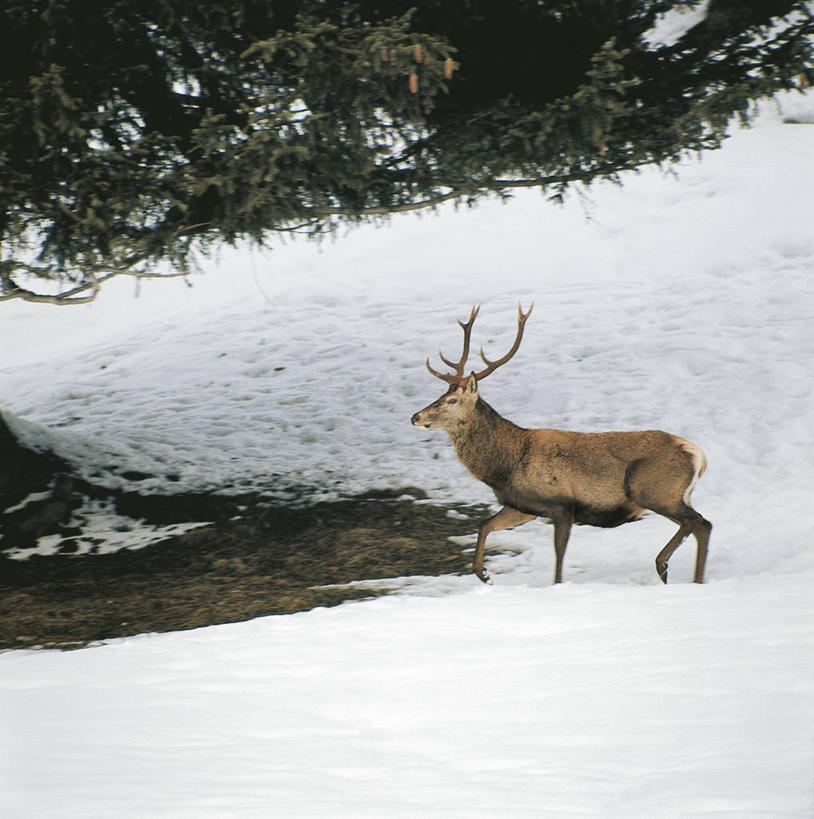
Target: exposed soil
point(254, 559)
point(268, 561)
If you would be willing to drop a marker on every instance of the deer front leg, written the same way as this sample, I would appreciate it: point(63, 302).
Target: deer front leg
point(506, 518)
point(562, 521)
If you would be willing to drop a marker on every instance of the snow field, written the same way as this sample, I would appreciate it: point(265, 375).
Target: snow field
point(580, 700)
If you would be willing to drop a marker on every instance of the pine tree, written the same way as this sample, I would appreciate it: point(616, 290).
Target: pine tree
point(132, 134)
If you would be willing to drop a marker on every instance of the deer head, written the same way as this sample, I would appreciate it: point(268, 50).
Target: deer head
point(453, 408)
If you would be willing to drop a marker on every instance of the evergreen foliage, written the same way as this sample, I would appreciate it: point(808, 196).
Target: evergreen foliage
point(131, 133)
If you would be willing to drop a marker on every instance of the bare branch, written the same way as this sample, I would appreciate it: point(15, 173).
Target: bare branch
point(407, 206)
point(80, 294)
point(602, 169)
point(14, 291)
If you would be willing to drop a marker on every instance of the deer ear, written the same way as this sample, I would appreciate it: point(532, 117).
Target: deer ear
point(471, 384)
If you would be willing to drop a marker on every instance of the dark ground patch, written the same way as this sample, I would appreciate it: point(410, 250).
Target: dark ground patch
point(266, 561)
point(254, 559)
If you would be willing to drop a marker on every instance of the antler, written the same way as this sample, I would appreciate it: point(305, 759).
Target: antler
point(458, 366)
point(458, 377)
point(491, 366)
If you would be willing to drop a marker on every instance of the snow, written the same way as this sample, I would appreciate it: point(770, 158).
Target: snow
point(673, 24)
point(581, 700)
point(678, 301)
point(103, 530)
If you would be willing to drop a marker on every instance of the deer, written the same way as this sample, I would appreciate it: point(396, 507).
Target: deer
point(597, 478)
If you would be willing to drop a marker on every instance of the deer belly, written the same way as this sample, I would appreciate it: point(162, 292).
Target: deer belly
point(550, 504)
point(606, 517)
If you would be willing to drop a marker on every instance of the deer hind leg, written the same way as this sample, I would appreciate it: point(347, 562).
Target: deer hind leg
point(667, 493)
point(701, 530)
point(663, 557)
point(506, 518)
point(692, 523)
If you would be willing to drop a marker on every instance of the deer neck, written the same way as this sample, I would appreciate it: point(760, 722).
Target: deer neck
point(488, 445)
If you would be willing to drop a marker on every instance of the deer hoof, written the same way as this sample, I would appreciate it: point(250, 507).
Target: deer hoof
point(662, 574)
point(482, 575)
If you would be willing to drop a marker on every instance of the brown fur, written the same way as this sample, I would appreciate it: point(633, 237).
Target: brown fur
point(602, 479)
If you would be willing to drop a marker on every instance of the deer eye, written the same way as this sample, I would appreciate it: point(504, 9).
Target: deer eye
point(452, 400)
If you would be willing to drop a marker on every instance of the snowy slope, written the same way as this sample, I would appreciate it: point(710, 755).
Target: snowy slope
point(681, 302)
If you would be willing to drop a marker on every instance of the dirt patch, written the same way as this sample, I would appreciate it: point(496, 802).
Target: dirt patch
point(254, 559)
point(264, 561)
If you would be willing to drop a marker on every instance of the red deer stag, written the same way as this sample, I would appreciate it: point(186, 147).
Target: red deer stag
point(598, 478)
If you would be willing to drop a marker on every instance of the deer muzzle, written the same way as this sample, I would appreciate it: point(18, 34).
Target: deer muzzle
point(421, 419)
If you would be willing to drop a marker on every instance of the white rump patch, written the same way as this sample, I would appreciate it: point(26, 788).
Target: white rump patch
point(699, 464)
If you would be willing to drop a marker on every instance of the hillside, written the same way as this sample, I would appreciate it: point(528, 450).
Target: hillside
point(676, 301)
